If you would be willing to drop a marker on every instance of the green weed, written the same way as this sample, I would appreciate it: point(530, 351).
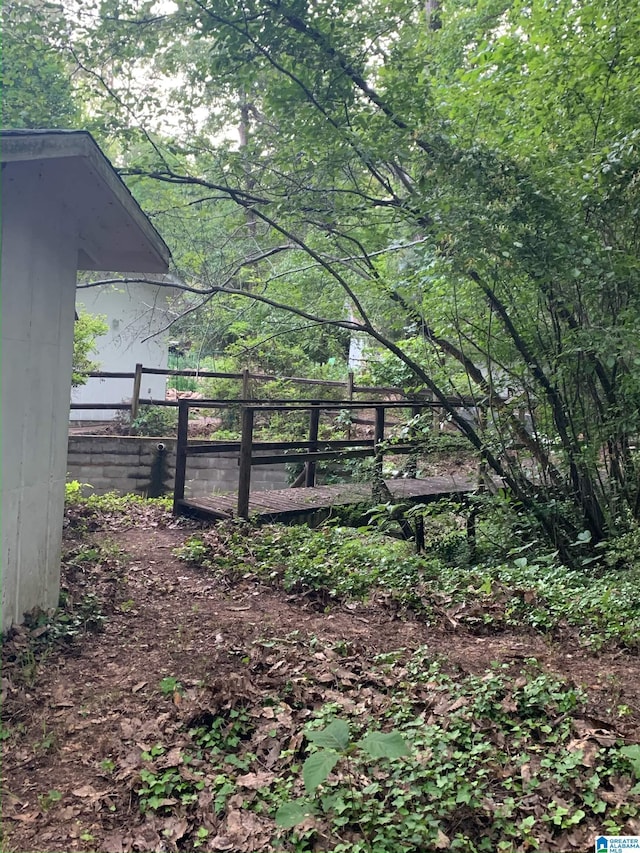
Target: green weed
point(49, 799)
point(170, 685)
point(333, 564)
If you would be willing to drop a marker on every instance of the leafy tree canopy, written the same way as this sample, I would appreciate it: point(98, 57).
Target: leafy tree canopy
point(464, 175)
point(36, 76)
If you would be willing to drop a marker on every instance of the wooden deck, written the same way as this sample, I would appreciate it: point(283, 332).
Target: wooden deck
point(286, 504)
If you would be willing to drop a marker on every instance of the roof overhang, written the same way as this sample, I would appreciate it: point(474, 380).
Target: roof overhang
point(115, 234)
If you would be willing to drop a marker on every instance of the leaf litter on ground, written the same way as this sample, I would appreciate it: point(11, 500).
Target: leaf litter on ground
point(497, 755)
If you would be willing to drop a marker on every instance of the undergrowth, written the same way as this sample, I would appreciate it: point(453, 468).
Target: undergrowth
point(334, 564)
point(314, 746)
point(471, 763)
point(87, 512)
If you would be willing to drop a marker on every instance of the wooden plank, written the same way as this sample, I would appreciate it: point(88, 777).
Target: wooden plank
point(287, 503)
point(314, 457)
point(135, 396)
point(214, 446)
point(100, 406)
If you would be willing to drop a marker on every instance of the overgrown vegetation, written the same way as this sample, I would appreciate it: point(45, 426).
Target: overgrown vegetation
point(470, 764)
point(154, 421)
point(337, 564)
point(287, 740)
point(456, 184)
point(87, 512)
point(93, 577)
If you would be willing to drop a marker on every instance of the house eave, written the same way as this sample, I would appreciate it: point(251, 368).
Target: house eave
point(114, 233)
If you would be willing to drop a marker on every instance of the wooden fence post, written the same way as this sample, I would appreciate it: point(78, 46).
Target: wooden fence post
point(411, 468)
point(246, 387)
point(181, 453)
point(379, 489)
point(378, 437)
point(246, 450)
point(135, 398)
point(314, 423)
point(350, 386)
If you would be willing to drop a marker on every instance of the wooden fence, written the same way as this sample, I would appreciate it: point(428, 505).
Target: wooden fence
point(349, 389)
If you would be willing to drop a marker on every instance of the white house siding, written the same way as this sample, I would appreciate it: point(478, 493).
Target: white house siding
point(132, 313)
point(39, 262)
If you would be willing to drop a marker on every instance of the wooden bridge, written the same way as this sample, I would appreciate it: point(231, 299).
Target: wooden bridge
point(287, 504)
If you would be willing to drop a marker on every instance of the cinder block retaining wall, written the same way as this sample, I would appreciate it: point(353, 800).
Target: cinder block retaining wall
point(147, 466)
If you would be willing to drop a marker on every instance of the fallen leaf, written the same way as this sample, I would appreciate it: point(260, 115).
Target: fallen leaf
point(173, 758)
point(442, 842)
point(175, 828)
point(128, 730)
point(112, 843)
point(244, 831)
point(221, 842)
point(28, 817)
point(589, 750)
point(88, 792)
point(254, 781)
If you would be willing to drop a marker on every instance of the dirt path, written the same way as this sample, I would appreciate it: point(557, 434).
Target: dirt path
point(78, 722)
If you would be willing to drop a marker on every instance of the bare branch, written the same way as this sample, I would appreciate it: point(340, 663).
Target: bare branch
point(165, 283)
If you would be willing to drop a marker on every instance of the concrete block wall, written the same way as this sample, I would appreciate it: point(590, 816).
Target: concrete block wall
point(147, 466)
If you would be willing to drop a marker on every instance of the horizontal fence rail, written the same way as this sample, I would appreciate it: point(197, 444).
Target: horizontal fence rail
point(349, 387)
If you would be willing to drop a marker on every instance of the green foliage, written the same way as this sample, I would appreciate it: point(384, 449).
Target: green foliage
point(439, 766)
point(46, 801)
point(215, 742)
point(545, 595)
point(110, 502)
point(329, 564)
point(154, 421)
point(85, 331)
point(334, 743)
point(85, 616)
point(224, 733)
point(91, 512)
point(36, 75)
point(170, 685)
point(632, 754)
point(336, 563)
point(74, 491)
point(463, 193)
point(161, 789)
point(113, 502)
point(71, 620)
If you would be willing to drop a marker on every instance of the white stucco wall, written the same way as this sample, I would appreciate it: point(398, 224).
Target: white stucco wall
point(39, 262)
point(132, 312)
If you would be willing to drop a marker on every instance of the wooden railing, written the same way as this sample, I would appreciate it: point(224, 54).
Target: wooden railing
point(310, 451)
point(349, 388)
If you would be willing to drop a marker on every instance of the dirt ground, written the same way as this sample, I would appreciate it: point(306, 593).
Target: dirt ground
point(80, 718)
